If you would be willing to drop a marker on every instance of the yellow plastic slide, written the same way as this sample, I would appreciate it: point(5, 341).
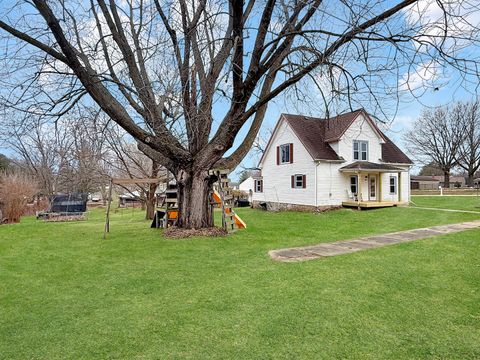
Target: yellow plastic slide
point(238, 221)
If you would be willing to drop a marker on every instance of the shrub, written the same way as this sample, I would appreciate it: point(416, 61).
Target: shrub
point(16, 189)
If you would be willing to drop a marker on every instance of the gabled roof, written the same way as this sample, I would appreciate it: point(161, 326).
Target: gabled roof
point(311, 132)
point(392, 154)
point(316, 133)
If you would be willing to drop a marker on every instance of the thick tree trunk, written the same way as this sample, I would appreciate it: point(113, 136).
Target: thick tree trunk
point(446, 179)
point(194, 199)
point(471, 179)
point(151, 201)
point(151, 196)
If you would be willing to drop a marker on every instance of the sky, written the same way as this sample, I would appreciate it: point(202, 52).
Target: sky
point(449, 89)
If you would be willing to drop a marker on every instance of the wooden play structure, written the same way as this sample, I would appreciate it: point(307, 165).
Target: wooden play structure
point(167, 212)
point(223, 197)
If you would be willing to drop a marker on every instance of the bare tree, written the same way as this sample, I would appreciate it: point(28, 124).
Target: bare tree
point(468, 156)
point(437, 136)
point(126, 161)
point(208, 66)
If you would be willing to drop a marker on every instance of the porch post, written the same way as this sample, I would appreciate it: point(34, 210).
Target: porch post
point(380, 186)
point(360, 184)
point(399, 185)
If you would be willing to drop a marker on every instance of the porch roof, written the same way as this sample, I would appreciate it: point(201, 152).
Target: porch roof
point(358, 166)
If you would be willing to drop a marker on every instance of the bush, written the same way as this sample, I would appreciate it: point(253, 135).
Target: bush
point(16, 189)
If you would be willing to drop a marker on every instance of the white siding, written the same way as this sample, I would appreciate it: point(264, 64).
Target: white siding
point(247, 185)
point(360, 130)
point(404, 187)
point(332, 186)
point(277, 178)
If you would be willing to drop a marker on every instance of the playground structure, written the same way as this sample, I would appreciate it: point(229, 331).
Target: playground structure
point(167, 212)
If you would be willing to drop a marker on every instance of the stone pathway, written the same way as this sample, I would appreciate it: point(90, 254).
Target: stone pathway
point(349, 246)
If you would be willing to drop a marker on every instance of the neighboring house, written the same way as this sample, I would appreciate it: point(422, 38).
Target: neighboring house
point(345, 160)
point(247, 184)
point(455, 181)
point(421, 182)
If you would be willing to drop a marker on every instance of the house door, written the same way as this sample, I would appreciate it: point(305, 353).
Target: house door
point(372, 190)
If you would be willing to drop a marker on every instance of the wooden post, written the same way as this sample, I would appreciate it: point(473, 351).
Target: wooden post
point(107, 219)
point(380, 186)
point(399, 186)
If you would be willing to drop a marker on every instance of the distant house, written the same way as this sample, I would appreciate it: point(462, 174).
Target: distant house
point(421, 182)
point(345, 160)
point(248, 184)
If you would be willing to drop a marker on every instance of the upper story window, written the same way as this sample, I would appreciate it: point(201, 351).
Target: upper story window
point(360, 150)
point(285, 154)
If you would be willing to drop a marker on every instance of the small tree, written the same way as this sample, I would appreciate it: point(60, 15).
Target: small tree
point(15, 191)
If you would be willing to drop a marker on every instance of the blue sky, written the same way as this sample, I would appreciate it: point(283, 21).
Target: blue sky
point(450, 88)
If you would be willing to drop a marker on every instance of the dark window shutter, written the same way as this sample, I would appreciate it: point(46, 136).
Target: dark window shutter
point(293, 181)
point(278, 155)
point(304, 181)
point(261, 185)
point(291, 153)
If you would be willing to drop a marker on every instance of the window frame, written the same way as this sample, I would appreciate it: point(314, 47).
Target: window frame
point(356, 184)
point(296, 180)
point(359, 152)
point(395, 185)
point(258, 185)
point(288, 147)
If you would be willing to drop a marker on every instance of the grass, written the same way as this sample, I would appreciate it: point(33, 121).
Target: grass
point(67, 294)
point(469, 203)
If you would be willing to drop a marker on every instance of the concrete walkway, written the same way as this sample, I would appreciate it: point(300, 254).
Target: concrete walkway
point(349, 246)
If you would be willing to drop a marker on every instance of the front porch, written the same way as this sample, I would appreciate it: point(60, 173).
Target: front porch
point(369, 204)
point(365, 185)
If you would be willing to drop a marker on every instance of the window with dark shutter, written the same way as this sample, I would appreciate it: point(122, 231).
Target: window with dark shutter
point(299, 181)
point(284, 153)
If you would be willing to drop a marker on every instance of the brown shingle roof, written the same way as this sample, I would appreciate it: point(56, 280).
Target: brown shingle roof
point(392, 154)
point(315, 133)
point(366, 165)
point(311, 132)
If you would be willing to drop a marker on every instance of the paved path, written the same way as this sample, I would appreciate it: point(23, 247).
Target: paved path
point(349, 246)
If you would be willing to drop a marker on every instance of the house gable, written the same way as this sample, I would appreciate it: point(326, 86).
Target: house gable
point(283, 133)
point(360, 129)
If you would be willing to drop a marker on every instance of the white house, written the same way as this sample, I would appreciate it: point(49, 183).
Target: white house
point(345, 160)
point(247, 185)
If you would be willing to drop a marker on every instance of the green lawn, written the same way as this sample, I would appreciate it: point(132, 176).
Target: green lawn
point(67, 294)
point(470, 203)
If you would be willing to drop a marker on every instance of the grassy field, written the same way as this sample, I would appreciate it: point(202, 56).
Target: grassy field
point(67, 294)
point(470, 203)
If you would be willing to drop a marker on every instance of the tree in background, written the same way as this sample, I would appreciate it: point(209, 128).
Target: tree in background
point(218, 64)
point(430, 169)
point(437, 137)
point(468, 156)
